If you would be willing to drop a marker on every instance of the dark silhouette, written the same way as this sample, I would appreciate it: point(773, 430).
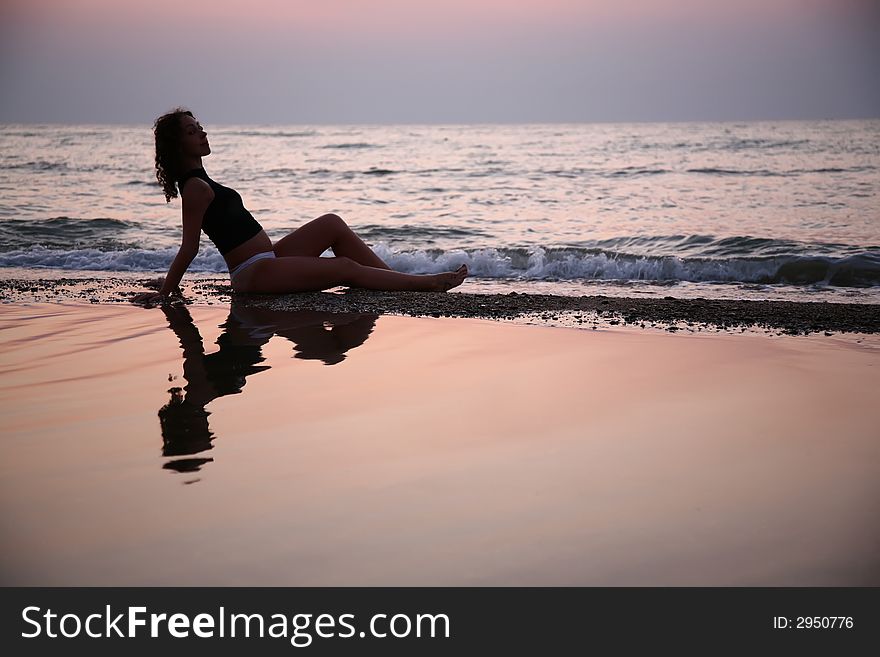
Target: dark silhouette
point(184, 419)
point(256, 264)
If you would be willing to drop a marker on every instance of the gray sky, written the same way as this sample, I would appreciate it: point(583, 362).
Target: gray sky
point(449, 61)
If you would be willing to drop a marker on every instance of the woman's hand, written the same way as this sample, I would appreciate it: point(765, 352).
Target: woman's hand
point(150, 299)
point(159, 284)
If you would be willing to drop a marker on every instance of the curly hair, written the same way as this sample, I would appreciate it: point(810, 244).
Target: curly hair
point(167, 132)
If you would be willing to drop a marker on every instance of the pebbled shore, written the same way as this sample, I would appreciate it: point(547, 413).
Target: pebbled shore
point(790, 317)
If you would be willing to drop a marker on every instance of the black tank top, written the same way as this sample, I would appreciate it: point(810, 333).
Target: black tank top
point(226, 222)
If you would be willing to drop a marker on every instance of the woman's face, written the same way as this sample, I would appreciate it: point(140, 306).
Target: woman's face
point(194, 140)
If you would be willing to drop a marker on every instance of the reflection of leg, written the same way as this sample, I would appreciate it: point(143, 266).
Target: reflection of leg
point(354, 333)
point(330, 346)
point(328, 231)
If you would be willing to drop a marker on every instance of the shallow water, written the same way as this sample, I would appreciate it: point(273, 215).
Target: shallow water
point(238, 446)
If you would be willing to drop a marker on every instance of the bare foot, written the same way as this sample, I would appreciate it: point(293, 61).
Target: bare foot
point(450, 279)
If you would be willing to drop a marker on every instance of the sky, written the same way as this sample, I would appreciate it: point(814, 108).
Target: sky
point(438, 61)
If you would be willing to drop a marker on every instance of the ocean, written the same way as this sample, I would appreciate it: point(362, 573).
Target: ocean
point(758, 210)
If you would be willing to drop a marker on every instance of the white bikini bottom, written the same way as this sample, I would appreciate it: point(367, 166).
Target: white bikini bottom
point(247, 263)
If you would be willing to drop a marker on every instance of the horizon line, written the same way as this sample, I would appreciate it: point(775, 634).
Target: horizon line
point(460, 123)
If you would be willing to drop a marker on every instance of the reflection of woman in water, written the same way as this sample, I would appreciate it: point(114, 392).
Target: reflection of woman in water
point(293, 264)
point(184, 420)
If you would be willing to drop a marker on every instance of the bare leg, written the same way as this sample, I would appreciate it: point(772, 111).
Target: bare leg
point(348, 244)
point(328, 231)
point(311, 273)
point(376, 278)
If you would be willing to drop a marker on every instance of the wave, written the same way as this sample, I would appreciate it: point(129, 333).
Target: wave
point(523, 263)
point(738, 144)
point(45, 166)
point(475, 171)
point(719, 143)
point(628, 172)
point(711, 246)
point(64, 232)
point(272, 133)
point(373, 171)
point(111, 234)
point(359, 144)
point(38, 165)
point(153, 184)
point(767, 173)
point(717, 171)
point(329, 173)
point(634, 172)
point(538, 263)
point(91, 259)
point(409, 232)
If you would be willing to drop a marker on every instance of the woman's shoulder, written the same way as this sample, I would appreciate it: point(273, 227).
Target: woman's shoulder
point(196, 189)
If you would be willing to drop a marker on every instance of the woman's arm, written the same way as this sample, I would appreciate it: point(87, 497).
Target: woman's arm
point(196, 195)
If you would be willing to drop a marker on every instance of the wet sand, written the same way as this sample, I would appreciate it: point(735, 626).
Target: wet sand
point(155, 447)
point(667, 312)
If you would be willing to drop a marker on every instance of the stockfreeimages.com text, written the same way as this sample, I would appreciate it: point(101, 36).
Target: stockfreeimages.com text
point(301, 628)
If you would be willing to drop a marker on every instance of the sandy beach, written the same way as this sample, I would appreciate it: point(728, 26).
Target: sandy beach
point(244, 445)
point(671, 313)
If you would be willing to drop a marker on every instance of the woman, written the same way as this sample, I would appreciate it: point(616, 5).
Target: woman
point(293, 264)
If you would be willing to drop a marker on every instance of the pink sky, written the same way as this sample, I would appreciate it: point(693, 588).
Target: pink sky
point(510, 59)
point(402, 16)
